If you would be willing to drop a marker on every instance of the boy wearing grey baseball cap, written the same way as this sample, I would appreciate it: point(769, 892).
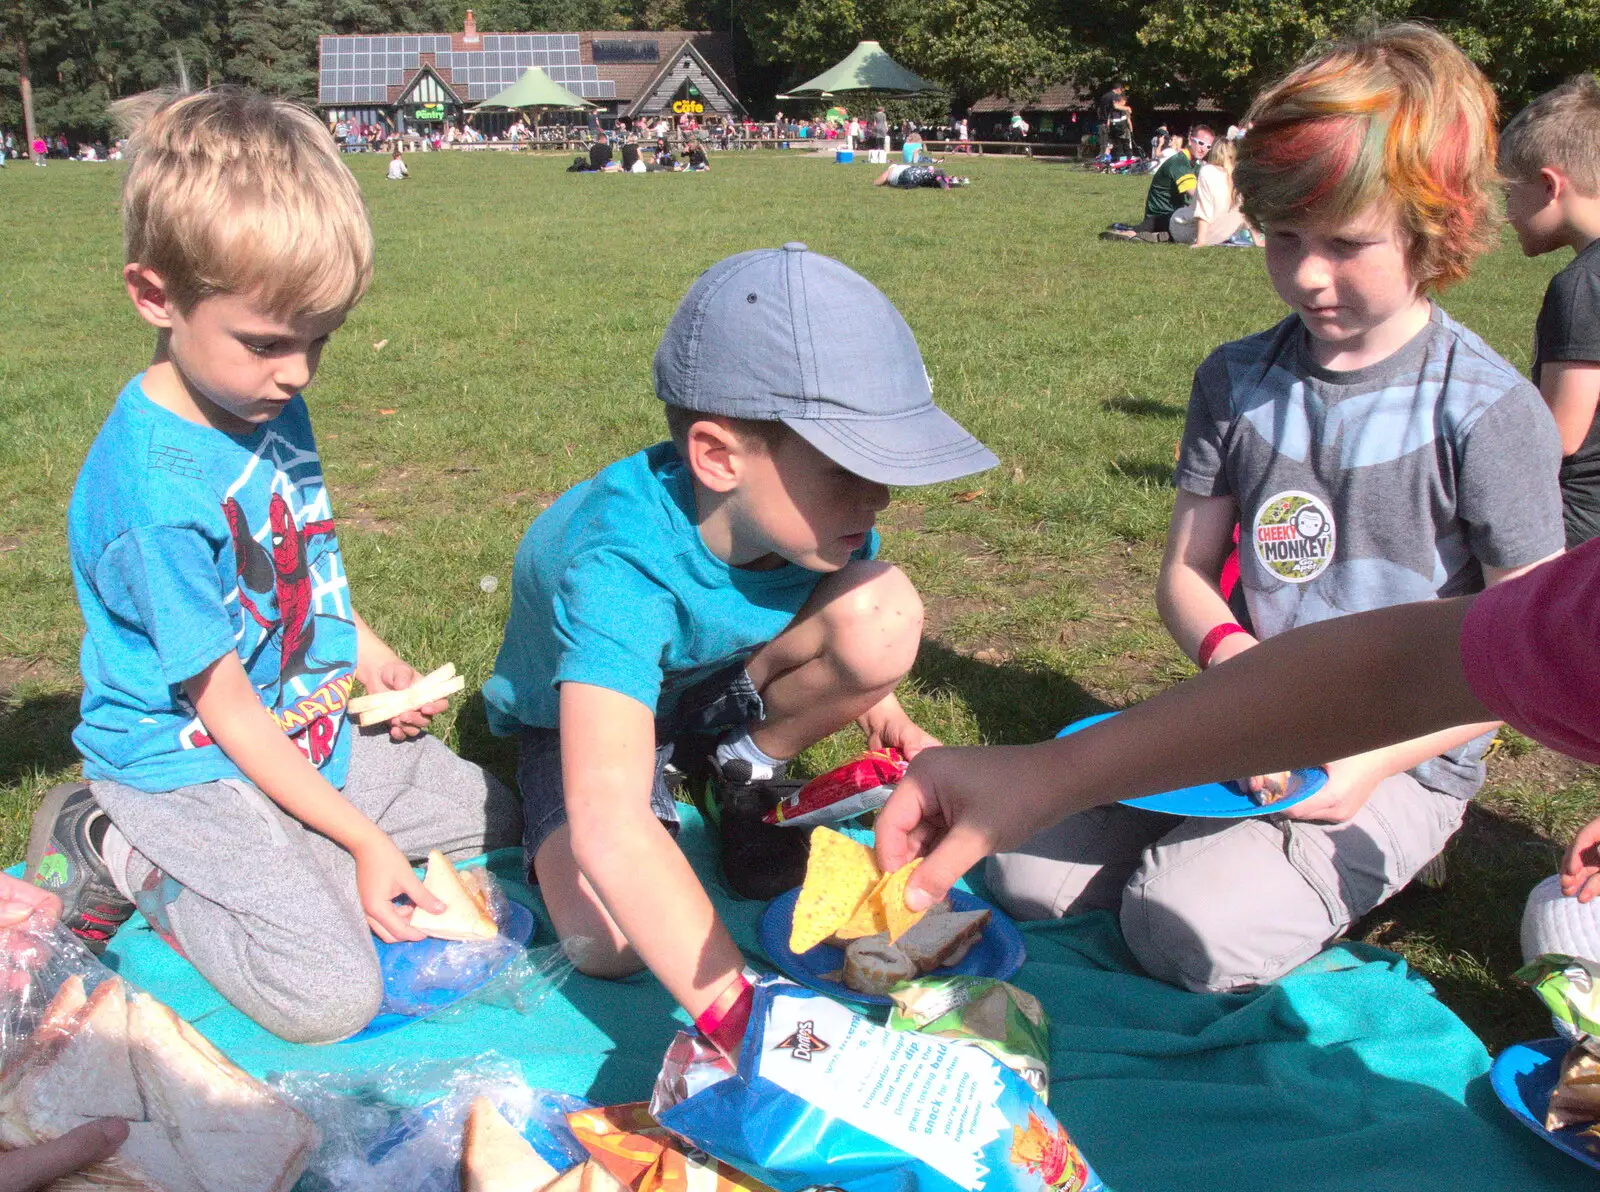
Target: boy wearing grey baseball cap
point(715, 601)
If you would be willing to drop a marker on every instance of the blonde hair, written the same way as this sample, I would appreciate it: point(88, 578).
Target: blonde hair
point(1224, 154)
point(1397, 116)
point(1560, 129)
point(233, 192)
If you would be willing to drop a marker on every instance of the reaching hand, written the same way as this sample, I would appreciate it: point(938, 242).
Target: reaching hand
point(20, 899)
point(1580, 868)
point(382, 875)
point(956, 806)
point(888, 727)
point(38, 1166)
point(1350, 784)
point(397, 676)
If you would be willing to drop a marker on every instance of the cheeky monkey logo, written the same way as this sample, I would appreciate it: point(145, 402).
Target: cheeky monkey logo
point(804, 1043)
point(1294, 536)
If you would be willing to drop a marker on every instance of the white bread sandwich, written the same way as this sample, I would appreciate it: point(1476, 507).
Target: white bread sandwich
point(939, 940)
point(466, 911)
point(495, 1158)
point(195, 1122)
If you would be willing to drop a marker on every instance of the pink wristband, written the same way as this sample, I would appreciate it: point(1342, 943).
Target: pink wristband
point(1208, 645)
point(724, 1020)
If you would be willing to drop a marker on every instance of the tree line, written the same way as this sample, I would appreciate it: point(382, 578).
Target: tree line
point(77, 55)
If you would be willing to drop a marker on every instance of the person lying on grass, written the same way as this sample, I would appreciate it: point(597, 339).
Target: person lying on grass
point(715, 602)
point(1373, 452)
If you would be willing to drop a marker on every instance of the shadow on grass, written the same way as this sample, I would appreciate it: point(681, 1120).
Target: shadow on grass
point(476, 743)
point(1013, 702)
point(36, 735)
point(1143, 407)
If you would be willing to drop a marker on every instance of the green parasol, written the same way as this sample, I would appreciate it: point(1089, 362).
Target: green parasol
point(534, 89)
point(867, 68)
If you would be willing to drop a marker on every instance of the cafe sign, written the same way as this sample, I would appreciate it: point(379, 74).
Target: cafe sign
point(687, 107)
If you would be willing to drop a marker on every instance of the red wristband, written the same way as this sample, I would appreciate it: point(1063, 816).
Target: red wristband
point(1209, 644)
point(724, 1020)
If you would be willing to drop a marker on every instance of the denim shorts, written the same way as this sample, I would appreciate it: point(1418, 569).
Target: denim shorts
point(723, 701)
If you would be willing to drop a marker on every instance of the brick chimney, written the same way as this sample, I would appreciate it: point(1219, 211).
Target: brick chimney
point(470, 33)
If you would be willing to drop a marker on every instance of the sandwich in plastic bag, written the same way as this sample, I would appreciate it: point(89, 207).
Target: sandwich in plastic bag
point(824, 1096)
point(434, 1126)
point(641, 1156)
point(78, 1043)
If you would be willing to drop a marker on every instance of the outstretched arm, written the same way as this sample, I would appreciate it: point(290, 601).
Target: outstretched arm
point(1332, 689)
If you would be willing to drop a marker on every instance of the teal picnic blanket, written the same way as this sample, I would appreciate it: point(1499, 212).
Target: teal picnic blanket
point(1345, 1076)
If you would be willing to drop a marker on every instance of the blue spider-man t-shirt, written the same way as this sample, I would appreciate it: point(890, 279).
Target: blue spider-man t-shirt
point(188, 543)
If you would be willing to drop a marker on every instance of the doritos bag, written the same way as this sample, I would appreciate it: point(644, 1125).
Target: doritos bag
point(852, 789)
point(825, 1096)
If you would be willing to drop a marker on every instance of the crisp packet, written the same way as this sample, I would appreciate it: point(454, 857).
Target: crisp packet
point(628, 1143)
point(1571, 988)
point(852, 789)
point(994, 1016)
point(824, 1096)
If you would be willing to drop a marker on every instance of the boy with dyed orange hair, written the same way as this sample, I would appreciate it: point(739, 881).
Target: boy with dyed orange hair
point(1373, 452)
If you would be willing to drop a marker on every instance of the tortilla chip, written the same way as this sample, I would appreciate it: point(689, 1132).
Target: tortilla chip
point(893, 896)
point(839, 876)
point(869, 918)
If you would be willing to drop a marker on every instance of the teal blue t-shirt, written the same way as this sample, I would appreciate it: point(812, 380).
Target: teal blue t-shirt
point(614, 587)
point(187, 543)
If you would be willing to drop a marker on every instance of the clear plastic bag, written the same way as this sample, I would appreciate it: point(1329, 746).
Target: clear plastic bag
point(442, 979)
point(400, 1127)
point(78, 1043)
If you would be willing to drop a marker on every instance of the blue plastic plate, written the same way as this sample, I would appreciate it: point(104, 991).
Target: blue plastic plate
point(400, 964)
point(998, 953)
point(1524, 1075)
point(1215, 800)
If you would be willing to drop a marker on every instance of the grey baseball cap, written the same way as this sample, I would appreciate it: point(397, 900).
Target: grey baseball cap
point(788, 335)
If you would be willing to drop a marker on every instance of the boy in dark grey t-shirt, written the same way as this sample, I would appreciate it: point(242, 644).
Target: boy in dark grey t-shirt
point(1550, 157)
point(1372, 452)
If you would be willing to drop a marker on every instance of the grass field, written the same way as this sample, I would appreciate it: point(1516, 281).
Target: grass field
point(517, 308)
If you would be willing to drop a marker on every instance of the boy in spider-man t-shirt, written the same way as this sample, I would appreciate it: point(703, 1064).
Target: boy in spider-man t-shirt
point(228, 798)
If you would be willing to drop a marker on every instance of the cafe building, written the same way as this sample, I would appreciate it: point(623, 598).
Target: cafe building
point(408, 81)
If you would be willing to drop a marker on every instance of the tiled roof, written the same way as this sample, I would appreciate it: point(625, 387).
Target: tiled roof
point(1060, 97)
point(378, 69)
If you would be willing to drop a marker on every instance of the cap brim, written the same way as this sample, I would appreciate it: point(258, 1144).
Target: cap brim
point(926, 446)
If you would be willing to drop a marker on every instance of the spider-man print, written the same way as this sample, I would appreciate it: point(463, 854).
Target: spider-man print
point(284, 572)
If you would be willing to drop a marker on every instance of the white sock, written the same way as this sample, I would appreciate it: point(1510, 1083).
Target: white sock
point(743, 747)
point(117, 852)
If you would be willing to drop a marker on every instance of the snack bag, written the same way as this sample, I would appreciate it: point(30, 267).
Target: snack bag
point(825, 1096)
point(852, 789)
point(1571, 988)
point(981, 1012)
point(627, 1142)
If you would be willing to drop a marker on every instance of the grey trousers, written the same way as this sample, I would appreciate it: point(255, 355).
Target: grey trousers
point(1220, 905)
point(266, 909)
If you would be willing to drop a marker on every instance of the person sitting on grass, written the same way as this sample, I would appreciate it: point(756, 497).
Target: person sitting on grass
point(1373, 451)
point(911, 177)
point(1170, 187)
point(695, 159)
point(397, 167)
point(1214, 215)
point(664, 162)
point(228, 795)
point(630, 156)
point(1550, 158)
point(600, 157)
point(715, 601)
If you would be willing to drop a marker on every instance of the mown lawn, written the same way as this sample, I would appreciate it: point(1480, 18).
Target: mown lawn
point(504, 353)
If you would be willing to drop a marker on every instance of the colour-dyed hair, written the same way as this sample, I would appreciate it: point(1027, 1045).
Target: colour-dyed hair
point(1397, 116)
point(1560, 129)
point(232, 192)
